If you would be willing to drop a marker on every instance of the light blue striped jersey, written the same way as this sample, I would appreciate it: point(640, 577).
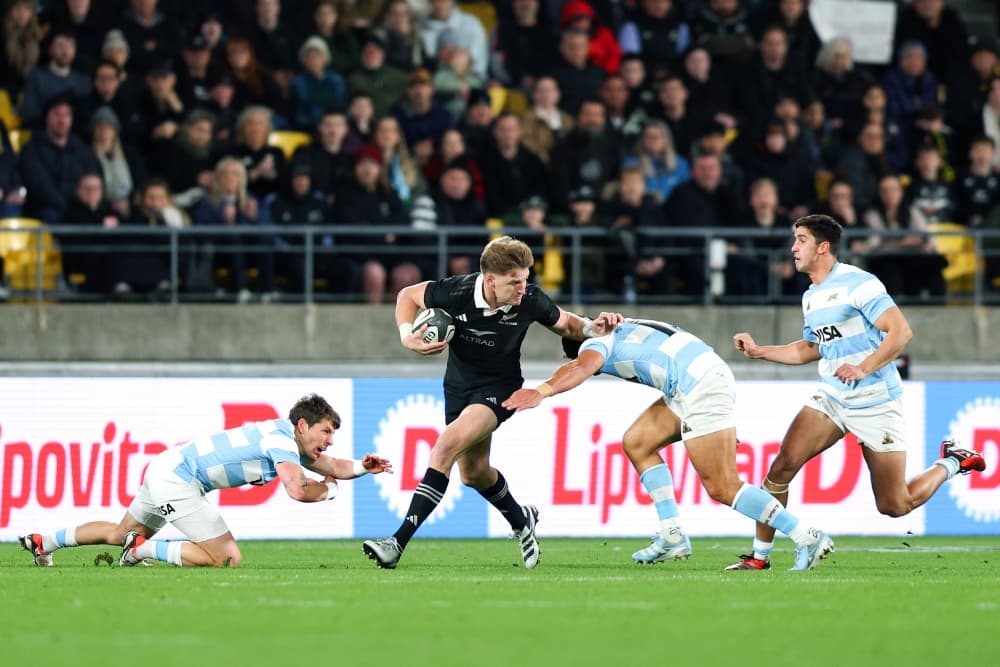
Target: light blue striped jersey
point(840, 315)
point(244, 455)
point(656, 354)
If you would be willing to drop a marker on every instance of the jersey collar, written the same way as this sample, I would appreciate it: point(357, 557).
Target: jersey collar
point(480, 298)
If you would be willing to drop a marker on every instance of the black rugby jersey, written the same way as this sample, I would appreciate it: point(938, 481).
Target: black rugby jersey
point(486, 348)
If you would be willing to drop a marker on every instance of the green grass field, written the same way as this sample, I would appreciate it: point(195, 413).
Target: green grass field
point(933, 601)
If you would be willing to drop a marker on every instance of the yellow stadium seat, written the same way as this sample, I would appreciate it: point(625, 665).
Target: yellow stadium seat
point(18, 138)
point(8, 112)
point(553, 273)
point(484, 11)
point(507, 100)
point(288, 141)
point(498, 99)
point(19, 249)
point(959, 247)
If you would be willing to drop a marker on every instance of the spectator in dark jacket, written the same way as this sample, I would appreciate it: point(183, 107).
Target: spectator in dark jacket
point(513, 173)
point(56, 79)
point(152, 36)
point(88, 208)
point(524, 44)
point(578, 78)
point(589, 155)
point(839, 83)
point(302, 204)
point(863, 163)
point(701, 202)
point(766, 78)
point(421, 119)
point(265, 164)
point(940, 29)
point(908, 87)
point(188, 164)
point(366, 200)
point(329, 155)
point(657, 32)
point(53, 161)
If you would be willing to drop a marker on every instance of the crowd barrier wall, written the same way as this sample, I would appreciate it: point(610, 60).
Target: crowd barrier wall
point(333, 334)
point(75, 449)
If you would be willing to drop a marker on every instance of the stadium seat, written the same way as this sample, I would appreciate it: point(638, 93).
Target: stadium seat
point(506, 100)
point(288, 141)
point(18, 138)
point(8, 112)
point(19, 249)
point(959, 247)
point(484, 11)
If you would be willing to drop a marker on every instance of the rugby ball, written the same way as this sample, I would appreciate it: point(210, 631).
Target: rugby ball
point(440, 325)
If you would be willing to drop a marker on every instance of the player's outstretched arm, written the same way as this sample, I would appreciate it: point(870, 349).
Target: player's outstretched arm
point(409, 301)
point(569, 375)
point(301, 488)
point(794, 354)
point(334, 468)
point(575, 327)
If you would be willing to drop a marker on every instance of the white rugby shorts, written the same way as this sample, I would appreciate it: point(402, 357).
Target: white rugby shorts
point(880, 427)
point(165, 497)
point(710, 406)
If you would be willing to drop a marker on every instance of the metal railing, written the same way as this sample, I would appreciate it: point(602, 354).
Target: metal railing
point(313, 244)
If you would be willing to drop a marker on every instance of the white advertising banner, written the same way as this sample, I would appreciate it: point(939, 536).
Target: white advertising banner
point(565, 456)
point(74, 449)
point(869, 24)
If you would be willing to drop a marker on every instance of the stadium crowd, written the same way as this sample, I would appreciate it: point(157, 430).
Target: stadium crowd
point(616, 115)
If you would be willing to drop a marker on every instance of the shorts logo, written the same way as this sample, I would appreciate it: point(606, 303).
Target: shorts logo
point(165, 510)
point(887, 439)
point(975, 427)
point(405, 436)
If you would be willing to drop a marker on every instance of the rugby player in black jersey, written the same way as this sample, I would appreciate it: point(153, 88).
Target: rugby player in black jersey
point(492, 310)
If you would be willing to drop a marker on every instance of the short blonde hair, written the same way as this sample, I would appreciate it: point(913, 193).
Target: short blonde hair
point(505, 254)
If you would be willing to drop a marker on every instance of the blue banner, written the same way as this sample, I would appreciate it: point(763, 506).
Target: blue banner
point(969, 412)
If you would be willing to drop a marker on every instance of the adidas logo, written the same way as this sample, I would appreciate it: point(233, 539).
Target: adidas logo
point(413, 519)
point(462, 318)
point(492, 399)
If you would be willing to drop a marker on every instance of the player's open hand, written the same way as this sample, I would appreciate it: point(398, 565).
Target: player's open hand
point(523, 399)
point(605, 323)
point(415, 342)
point(745, 343)
point(376, 464)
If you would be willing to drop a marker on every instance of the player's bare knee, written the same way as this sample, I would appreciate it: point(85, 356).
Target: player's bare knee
point(894, 507)
point(720, 490)
point(783, 470)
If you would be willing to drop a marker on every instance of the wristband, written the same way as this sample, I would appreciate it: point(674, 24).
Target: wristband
point(331, 490)
point(545, 389)
point(359, 468)
point(405, 329)
point(588, 327)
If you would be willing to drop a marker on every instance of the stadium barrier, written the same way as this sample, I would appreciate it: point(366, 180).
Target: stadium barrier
point(973, 272)
point(75, 449)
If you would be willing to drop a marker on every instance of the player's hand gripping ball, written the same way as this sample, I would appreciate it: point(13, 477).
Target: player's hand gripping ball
point(440, 325)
